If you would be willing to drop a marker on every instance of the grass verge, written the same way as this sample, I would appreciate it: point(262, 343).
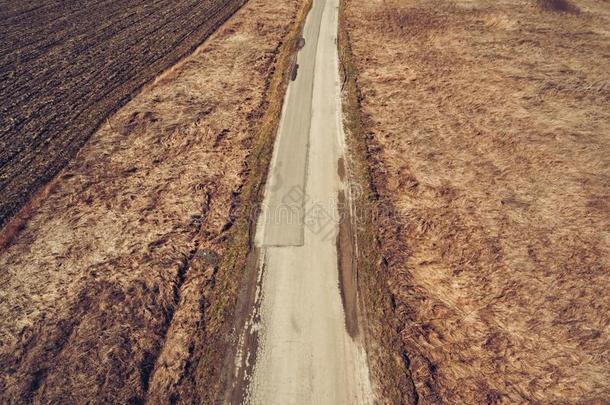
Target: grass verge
point(388, 361)
point(219, 335)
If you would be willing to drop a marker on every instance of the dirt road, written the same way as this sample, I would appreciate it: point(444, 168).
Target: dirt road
point(304, 352)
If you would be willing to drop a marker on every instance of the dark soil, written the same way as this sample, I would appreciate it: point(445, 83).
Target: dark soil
point(65, 66)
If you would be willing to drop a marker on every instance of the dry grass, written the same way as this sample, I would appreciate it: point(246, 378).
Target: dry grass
point(488, 142)
point(107, 282)
point(397, 19)
point(388, 363)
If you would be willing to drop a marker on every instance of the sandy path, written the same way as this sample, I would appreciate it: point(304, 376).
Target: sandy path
point(304, 353)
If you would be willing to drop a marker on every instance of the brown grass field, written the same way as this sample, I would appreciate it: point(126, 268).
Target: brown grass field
point(65, 66)
point(482, 127)
point(107, 275)
point(487, 133)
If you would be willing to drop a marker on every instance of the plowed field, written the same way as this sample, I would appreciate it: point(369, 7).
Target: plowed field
point(64, 66)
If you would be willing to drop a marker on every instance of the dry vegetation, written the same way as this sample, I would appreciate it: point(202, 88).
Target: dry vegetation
point(106, 278)
point(65, 66)
point(487, 132)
